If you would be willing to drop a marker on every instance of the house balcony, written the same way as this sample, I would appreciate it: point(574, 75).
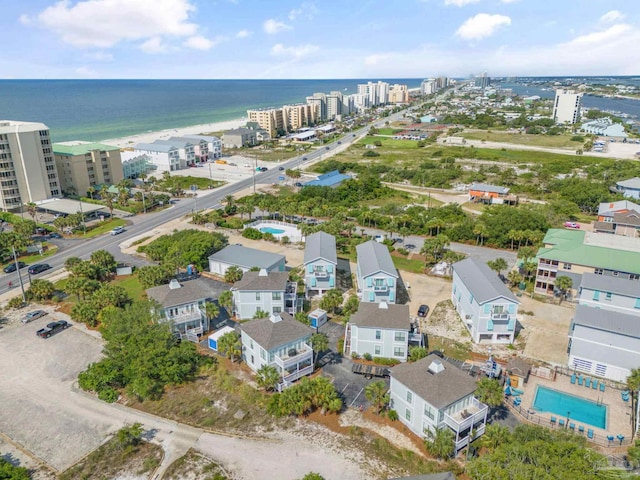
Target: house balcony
point(288, 380)
point(380, 288)
point(548, 265)
point(466, 418)
point(320, 273)
point(294, 356)
point(505, 317)
point(186, 317)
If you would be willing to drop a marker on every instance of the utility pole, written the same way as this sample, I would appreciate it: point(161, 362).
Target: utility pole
point(210, 176)
point(254, 174)
point(15, 259)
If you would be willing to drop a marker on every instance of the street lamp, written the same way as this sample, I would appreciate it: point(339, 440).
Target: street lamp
point(15, 259)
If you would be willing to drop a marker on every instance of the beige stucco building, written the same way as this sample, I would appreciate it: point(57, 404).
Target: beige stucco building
point(27, 167)
point(269, 119)
point(82, 165)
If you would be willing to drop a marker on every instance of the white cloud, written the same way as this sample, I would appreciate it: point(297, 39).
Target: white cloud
point(198, 42)
point(481, 26)
point(243, 34)
point(85, 71)
point(279, 50)
point(99, 56)
point(103, 23)
point(509, 1)
point(459, 3)
point(293, 14)
point(612, 16)
point(307, 10)
point(272, 26)
point(154, 45)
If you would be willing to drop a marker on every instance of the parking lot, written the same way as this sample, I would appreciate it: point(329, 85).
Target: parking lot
point(40, 409)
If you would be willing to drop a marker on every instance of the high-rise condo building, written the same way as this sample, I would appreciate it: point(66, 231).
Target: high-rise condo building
point(27, 167)
point(334, 105)
point(398, 94)
point(318, 102)
point(566, 108)
point(82, 165)
point(298, 115)
point(428, 86)
point(269, 119)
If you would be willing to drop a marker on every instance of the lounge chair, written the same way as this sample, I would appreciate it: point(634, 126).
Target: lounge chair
point(590, 434)
point(553, 420)
point(516, 402)
point(602, 386)
point(587, 382)
point(580, 380)
point(610, 438)
point(595, 385)
point(581, 429)
point(573, 379)
point(561, 422)
point(620, 437)
point(572, 426)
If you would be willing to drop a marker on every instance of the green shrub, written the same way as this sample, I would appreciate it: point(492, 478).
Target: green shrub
point(355, 355)
point(16, 303)
point(340, 346)
point(108, 394)
point(370, 153)
point(268, 237)
point(252, 234)
point(402, 251)
point(393, 415)
point(389, 362)
point(367, 356)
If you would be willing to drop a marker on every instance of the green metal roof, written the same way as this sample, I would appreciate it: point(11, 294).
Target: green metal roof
point(81, 149)
point(568, 247)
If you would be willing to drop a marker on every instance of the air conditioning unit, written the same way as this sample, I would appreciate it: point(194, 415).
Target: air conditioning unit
point(467, 317)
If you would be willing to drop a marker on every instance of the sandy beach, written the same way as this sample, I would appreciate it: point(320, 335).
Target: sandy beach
point(149, 137)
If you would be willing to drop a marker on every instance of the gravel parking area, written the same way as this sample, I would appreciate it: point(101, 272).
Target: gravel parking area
point(38, 405)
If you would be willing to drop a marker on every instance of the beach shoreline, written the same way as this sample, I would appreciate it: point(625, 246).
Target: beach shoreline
point(150, 137)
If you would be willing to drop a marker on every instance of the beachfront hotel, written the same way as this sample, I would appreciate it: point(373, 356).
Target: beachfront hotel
point(566, 107)
point(269, 119)
point(27, 167)
point(84, 164)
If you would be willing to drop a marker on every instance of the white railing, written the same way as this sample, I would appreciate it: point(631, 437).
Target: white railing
point(274, 222)
point(303, 354)
point(186, 317)
point(380, 288)
point(288, 380)
point(468, 420)
point(499, 316)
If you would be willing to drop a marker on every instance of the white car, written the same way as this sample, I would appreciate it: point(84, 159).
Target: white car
point(117, 230)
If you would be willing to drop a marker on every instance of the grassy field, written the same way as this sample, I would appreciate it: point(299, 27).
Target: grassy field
point(551, 141)
point(103, 227)
point(408, 265)
point(450, 348)
point(388, 131)
point(201, 182)
point(132, 285)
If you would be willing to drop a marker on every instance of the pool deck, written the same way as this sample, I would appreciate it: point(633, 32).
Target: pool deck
point(618, 411)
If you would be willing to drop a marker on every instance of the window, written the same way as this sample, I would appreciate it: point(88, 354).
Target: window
point(252, 362)
point(376, 350)
point(276, 296)
point(596, 295)
point(634, 276)
point(566, 266)
point(409, 397)
point(263, 354)
point(430, 412)
point(251, 344)
point(378, 334)
point(398, 352)
point(400, 337)
point(598, 271)
point(277, 309)
point(257, 295)
point(608, 296)
point(615, 274)
point(379, 282)
point(407, 414)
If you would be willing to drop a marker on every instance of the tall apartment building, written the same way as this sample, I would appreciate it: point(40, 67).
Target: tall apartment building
point(83, 164)
point(348, 104)
point(318, 102)
point(360, 101)
point(269, 119)
point(377, 92)
point(566, 108)
point(298, 115)
point(482, 81)
point(398, 94)
point(442, 82)
point(428, 86)
point(334, 105)
point(27, 168)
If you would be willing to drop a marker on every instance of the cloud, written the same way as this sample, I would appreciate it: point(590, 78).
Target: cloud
point(612, 16)
point(293, 14)
point(243, 34)
point(198, 42)
point(99, 56)
point(272, 26)
point(307, 10)
point(279, 50)
point(85, 71)
point(154, 46)
point(481, 26)
point(104, 23)
point(459, 3)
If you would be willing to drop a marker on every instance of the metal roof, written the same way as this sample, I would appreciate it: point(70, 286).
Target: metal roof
point(607, 209)
point(382, 315)
point(80, 148)
point(482, 282)
point(374, 257)
point(607, 321)
point(65, 205)
point(485, 187)
point(438, 389)
point(246, 257)
point(633, 183)
point(271, 334)
point(320, 245)
point(607, 283)
point(329, 179)
point(154, 147)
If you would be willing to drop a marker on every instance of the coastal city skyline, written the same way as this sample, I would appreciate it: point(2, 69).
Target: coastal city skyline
point(293, 39)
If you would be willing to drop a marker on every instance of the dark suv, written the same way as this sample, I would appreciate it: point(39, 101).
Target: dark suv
point(12, 267)
point(423, 310)
point(39, 268)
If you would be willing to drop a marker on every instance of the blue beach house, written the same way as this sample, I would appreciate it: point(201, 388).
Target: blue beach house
point(376, 275)
point(320, 263)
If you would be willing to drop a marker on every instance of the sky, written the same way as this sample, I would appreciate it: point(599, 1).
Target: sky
point(285, 39)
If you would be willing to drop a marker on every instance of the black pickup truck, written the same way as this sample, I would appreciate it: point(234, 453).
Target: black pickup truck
point(52, 328)
point(370, 371)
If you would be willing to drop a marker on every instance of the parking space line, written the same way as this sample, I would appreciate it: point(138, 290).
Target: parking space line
point(358, 395)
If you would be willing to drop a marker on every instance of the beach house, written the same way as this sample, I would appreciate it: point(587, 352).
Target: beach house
point(432, 393)
point(619, 218)
point(165, 158)
point(376, 275)
point(320, 263)
point(214, 144)
point(629, 188)
point(262, 291)
point(610, 293)
point(279, 341)
point(245, 258)
point(186, 150)
point(200, 147)
point(486, 306)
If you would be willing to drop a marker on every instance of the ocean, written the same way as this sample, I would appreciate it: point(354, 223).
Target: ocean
point(94, 110)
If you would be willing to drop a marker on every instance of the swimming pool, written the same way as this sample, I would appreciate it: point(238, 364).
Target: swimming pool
point(274, 231)
point(565, 405)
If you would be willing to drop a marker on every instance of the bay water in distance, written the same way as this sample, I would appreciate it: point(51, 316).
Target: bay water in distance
point(95, 110)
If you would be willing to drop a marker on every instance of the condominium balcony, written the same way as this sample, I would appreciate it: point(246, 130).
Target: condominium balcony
point(467, 417)
point(186, 317)
point(294, 356)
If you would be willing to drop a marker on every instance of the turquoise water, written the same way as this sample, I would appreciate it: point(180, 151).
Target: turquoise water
point(95, 110)
point(579, 410)
point(274, 231)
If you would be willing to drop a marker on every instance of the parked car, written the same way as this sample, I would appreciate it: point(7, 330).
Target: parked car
point(33, 315)
point(571, 225)
point(304, 159)
point(280, 168)
point(326, 148)
point(339, 143)
point(53, 328)
point(55, 235)
point(263, 169)
point(297, 184)
point(38, 268)
point(12, 267)
point(423, 310)
point(117, 231)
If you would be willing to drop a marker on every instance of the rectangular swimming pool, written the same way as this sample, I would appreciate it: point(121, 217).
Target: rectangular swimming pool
point(566, 405)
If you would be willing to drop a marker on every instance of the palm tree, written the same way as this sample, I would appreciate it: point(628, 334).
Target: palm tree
point(108, 198)
point(514, 278)
point(211, 310)
point(268, 377)
point(489, 392)
point(480, 230)
point(440, 443)
point(494, 436)
point(376, 392)
point(233, 274)
point(229, 200)
point(32, 209)
point(90, 191)
point(564, 284)
point(229, 345)
point(320, 343)
point(225, 300)
point(633, 384)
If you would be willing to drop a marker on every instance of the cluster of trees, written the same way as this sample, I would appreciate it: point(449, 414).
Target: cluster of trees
point(142, 355)
point(8, 471)
point(185, 247)
point(306, 396)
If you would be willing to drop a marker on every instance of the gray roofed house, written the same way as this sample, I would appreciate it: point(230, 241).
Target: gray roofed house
point(606, 292)
point(155, 147)
point(486, 306)
point(376, 274)
point(604, 343)
point(381, 315)
point(320, 245)
point(269, 292)
point(607, 209)
point(374, 257)
point(320, 263)
point(279, 341)
point(606, 283)
point(630, 183)
point(245, 258)
point(432, 393)
point(485, 187)
point(254, 281)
